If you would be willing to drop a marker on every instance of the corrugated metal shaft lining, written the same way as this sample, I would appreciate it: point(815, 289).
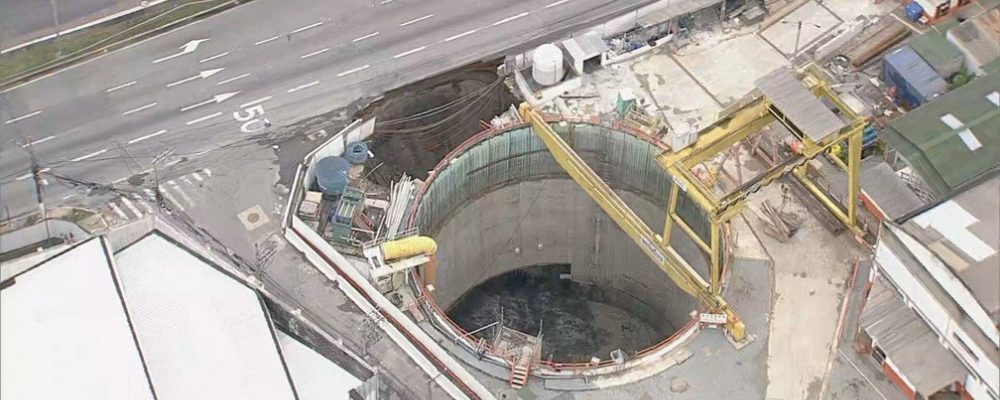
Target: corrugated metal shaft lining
point(799, 105)
point(621, 159)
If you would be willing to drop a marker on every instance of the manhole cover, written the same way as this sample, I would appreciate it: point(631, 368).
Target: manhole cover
point(253, 218)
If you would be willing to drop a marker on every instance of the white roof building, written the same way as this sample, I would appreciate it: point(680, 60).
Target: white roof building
point(151, 321)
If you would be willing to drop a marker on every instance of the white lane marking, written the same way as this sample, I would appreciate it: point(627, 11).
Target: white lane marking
point(131, 206)
point(83, 26)
point(370, 35)
point(408, 52)
point(255, 102)
point(508, 19)
point(413, 21)
point(66, 197)
point(351, 71)
point(315, 53)
point(118, 211)
point(202, 119)
point(197, 177)
point(215, 99)
point(207, 172)
point(91, 155)
point(144, 137)
point(306, 27)
point(135, 110)
point(220, 55)
point(186, 48)
point(34, 142)
point(172, 163)
point(460, 35)
point(200, 75)
point(23, 117)
point(122, 86)
point(232, 79)
point(384, 2)
point(116, 181)
point(557, 3)
point(258, 43)
point(171, 198)
point(300, 87)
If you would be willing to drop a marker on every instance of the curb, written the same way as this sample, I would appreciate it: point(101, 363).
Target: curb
point(55, 66)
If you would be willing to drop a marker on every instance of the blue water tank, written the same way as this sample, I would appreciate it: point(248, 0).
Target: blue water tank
point(331, 175)
point(356, 153)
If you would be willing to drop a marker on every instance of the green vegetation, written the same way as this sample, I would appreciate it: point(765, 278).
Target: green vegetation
point(113, 32)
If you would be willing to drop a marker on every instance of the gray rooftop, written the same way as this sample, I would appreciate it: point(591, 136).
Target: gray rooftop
point(880, 184)
point(799, 105)
point(963, 233)
point(907, 340)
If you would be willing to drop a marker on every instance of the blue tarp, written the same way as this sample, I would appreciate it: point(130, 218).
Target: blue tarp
point(913, 80)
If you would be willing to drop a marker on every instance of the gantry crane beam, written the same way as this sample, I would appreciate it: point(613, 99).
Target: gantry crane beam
point(662, 254)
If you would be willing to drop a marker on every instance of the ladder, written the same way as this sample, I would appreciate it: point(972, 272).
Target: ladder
point(520, 368)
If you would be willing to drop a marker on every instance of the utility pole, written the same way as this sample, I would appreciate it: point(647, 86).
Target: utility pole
point(798, 33)
point(36, 176)
point(156, 175)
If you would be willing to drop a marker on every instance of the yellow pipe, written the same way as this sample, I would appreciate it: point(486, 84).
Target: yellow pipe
point(408, 247)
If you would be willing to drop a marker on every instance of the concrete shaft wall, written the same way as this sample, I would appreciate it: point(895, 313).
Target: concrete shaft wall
point(554, 221)
point(493, 205)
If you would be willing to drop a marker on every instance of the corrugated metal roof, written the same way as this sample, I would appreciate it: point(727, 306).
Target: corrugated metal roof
point(915, 70)
point(911, 345)
point(203, 334)
point(799, 105)
point(880, 184)
point(935, 49)
point(315, 376)
point(65, 333)
point(944, 156)
point(962, 233)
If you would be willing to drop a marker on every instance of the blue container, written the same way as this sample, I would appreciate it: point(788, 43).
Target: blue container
point(912, 79)
point(356, 153)
point(331, 175)
point(914, 11)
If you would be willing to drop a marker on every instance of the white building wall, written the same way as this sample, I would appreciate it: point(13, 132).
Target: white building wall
point(920, 298)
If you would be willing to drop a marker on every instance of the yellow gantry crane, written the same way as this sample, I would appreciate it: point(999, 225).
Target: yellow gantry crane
point(794, 99)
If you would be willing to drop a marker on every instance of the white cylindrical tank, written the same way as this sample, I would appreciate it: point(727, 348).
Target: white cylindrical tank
point(547, 65)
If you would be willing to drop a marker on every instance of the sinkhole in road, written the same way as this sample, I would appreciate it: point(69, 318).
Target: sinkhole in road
point(516, 237)
point(420, 123)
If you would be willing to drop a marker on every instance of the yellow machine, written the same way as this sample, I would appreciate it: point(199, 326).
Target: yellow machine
point(794, 99)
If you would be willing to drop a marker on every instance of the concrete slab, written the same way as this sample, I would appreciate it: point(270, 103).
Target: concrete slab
point(684, 103)
point(811, 273)
point(849, 10)
point(728, 70)
point(816, 22)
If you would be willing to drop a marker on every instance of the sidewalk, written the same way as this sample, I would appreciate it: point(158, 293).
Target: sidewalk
point(27, 21)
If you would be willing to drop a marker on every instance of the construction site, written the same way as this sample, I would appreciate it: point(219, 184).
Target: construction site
point(575, 218)
point(735, 200)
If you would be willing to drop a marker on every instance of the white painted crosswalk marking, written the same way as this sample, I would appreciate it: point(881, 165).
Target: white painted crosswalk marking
point(207, 171)
point(117, 210)
point(181, 192)
point(171, 198)
point(196, 176)
point(131, 206)
point(145, 205)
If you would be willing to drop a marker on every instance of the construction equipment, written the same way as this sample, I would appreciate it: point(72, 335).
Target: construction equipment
point(796, 99)
point(665, 257)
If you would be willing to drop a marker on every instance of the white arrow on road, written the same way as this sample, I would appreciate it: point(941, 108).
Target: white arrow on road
point(186, 48)
point(216, 99)
point(201, 75)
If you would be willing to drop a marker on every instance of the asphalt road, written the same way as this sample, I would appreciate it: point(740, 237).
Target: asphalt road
point(213, 83)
